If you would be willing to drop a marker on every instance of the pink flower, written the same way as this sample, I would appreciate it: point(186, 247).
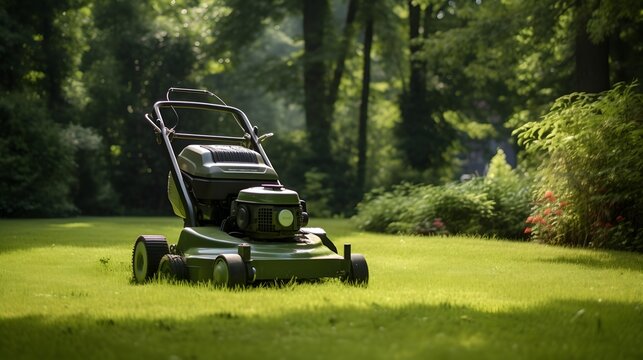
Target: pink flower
point(527, 230)
point(620, 218)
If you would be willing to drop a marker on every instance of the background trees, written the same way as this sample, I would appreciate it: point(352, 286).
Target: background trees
point(361, 94)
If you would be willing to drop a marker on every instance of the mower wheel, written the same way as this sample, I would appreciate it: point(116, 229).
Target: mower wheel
point(146, 255)
point(359, 270)
point(229, 271)
point(173, 267)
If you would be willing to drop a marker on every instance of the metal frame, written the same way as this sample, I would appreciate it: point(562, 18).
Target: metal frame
point(167, 135)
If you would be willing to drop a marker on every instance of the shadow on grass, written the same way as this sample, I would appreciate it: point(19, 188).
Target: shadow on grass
point(560, 329)
point(601, 260)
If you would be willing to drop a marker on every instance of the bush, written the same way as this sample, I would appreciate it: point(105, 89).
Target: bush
point(510, 192)
point(91, 191)
point(589, 189)
point(36, 163)
point(496, 206)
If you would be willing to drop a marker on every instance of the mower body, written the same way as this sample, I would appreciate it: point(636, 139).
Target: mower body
point(241, 225)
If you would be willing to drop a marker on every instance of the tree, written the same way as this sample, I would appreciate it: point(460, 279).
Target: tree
point(422, 137)
point(132, 62)
point(315, 15)
point(37, 58)
point(363, 108)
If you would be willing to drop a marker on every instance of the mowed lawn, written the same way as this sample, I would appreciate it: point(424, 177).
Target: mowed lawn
point(65, 292)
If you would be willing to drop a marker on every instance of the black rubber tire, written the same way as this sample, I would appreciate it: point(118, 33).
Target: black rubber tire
point(359, 271)
point(229, 271)
point(173, 267)
point(146, 255)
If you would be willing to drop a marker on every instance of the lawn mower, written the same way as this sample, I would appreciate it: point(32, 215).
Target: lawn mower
point(241, 225)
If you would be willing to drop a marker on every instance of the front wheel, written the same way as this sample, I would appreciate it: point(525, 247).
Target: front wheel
point(146, 256)
point(229, 271)
point(359, 271)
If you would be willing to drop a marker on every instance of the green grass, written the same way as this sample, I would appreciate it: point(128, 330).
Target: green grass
point(65, 292)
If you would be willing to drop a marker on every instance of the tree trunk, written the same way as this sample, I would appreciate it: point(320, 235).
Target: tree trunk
point(416, 126)
point(347, 36)
point(53, 57)
point(363, 108)
point(592, 65)
point(317, 122)
point(417, 81)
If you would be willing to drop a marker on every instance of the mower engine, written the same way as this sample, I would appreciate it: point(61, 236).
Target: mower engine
point(232, 187)
point(269, 212)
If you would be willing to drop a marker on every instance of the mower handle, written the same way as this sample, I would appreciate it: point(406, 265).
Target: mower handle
point(149, 119)
point(192, 91)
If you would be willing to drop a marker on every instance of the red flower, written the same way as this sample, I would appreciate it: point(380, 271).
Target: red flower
point(549, 195)
point(620, 218)
point(547, 211)
point(527, 230)
point(530, 220)
point(438, 223)
point(558, 212)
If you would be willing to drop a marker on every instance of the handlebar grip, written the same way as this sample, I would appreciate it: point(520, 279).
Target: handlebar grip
point(187, 91)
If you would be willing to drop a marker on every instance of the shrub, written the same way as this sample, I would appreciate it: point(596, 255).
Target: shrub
point(510, 192)
point(380, 209)
point(496, 205)
point(589, 189)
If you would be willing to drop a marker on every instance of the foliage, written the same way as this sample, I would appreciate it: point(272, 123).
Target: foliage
point(445, 90)
point(510, 191)
point(495, 205)
point(90, 192)
point(36, 160)
point(66, 287)
point(589, 188)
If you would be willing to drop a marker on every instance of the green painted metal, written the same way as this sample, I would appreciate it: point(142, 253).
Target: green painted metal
point(174, 197)
point(306, 258)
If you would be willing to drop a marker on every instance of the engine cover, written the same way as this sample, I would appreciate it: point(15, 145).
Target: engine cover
point(214, 174)
point(224, 162)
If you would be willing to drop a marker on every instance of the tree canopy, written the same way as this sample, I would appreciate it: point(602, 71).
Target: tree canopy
point(361, 94)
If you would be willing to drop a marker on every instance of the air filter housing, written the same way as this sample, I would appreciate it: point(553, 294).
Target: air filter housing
point(269, 212)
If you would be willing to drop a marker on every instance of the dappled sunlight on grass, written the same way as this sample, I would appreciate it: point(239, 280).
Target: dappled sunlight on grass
point(72, 225)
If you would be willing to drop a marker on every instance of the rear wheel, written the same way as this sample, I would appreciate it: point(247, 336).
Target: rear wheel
point(146, 256)
point(173, 267)
point(359, 270)
point(229, 271)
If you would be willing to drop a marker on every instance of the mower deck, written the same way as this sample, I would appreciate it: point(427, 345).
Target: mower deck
point(305, 257)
